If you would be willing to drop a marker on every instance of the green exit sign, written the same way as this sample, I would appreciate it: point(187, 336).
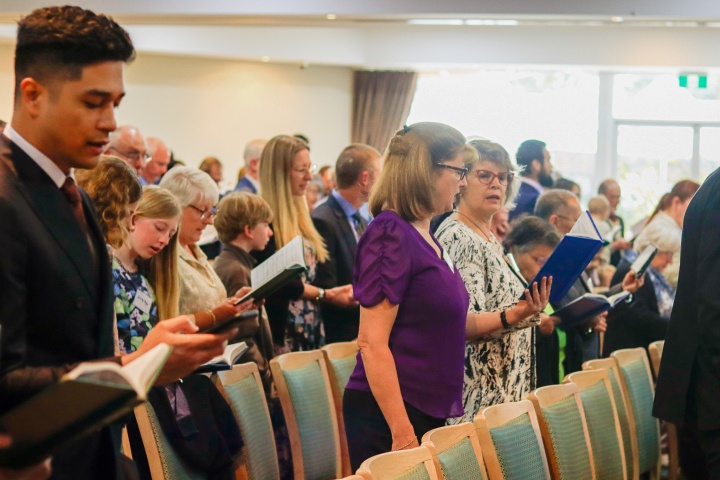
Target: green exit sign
point(692, 80)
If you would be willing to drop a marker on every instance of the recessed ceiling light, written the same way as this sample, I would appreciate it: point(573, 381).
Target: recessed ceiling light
point(435, 21)
point(616, 19)
point(331, 16)
point(265, 59)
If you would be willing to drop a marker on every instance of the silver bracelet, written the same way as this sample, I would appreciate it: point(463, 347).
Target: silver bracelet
point(406, 445)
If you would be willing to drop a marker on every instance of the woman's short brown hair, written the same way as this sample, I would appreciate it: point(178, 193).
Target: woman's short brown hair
point(112, 185)
point(407, 182)
point(238, 210)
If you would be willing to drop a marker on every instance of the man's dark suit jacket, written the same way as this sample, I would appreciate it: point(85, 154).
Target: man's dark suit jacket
point(55, 302)
point(341, 324)
point(245, 185)
point(688, 387)
point(636, 324)
point(525, 202)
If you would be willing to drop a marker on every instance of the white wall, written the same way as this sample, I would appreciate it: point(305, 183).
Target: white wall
point(213, 107)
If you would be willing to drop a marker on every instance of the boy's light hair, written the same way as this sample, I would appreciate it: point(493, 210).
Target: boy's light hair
point(238, 210)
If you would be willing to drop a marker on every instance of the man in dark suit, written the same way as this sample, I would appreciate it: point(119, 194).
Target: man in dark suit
point(534, 159)
point(56, 297)
point(688, 386)
point(340, 224)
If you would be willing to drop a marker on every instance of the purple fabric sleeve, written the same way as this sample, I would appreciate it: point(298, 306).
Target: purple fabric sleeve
point(383, 266)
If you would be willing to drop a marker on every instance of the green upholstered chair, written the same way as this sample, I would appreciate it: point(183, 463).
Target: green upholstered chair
point(603, 423)
point(511, 443)
point(637, 384)
point(456, 452)
point(627, 426)
point(341, 359)
point(564, 431)
point(411, 464)
point(304, 389)
point(243, 390)
point(164, 463)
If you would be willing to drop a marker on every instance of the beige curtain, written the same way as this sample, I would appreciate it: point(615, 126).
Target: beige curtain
point(381, 104)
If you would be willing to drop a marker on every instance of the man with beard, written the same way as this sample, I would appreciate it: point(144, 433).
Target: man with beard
point(534, 159)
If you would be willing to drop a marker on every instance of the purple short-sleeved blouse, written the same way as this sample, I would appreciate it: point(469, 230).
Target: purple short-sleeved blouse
point(427, 340)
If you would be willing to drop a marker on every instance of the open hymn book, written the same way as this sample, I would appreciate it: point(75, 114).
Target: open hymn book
point(570, 258)
point(86, 398)
point(586, 307)
point(276, 271)
point(225, 361)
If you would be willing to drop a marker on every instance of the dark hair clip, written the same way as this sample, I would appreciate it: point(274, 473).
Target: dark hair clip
point(406, 129)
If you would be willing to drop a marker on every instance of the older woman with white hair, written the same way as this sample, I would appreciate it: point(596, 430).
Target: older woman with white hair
point(644, 319)
point(200, 287)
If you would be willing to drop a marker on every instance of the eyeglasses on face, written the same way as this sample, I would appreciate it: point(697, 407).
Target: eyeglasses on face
point(305, 170)
point(487, 177)
point(133, 155)
point(460, 171)
point(210, 212)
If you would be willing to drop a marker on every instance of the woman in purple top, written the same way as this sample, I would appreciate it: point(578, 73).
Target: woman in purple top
point(409, 374)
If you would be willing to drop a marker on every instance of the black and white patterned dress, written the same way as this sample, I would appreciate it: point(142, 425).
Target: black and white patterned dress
point(498, 367)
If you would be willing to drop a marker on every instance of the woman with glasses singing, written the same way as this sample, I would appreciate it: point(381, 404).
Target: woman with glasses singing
point(413, 303)
point(285, 172)
point(200, 287)
point(499, 357)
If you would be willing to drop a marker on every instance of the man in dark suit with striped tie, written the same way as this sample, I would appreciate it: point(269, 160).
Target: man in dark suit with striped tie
point(339, 222)
point(56, 296)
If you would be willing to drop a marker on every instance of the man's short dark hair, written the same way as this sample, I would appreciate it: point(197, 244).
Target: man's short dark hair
point(352, 162)
point(528, 151)
point(55, 43)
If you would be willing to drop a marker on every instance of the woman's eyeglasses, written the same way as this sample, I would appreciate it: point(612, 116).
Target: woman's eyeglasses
point(210, 212)
point(460, 171)
point(487, 177)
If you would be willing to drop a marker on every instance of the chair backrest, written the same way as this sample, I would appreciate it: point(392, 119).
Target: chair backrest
point(510, 441)
point(456, 452)
point(625, 415)
point(341, 359)
point(656, 349)
point(164, 463)
point(413, 464)
point(303, 385)
point(564, 431)
point(637, 384)
point(243, 390)
point(603, 423)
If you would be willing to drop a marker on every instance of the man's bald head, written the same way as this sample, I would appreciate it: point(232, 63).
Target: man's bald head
point(129, 144)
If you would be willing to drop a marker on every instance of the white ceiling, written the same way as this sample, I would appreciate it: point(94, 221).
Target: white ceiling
point(609, 34)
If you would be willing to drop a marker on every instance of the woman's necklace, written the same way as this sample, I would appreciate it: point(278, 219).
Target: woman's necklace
point(488, 237)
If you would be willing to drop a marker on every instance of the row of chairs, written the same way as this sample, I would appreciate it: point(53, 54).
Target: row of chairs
point(596, 425)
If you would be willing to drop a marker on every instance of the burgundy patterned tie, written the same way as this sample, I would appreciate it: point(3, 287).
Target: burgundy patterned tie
point(73, 197)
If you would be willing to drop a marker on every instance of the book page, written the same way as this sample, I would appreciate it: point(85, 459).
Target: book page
point(585, 228)
point(230, 354)
point(291, 254)
point(640, 264)
point(142, 372)
point(618, 297)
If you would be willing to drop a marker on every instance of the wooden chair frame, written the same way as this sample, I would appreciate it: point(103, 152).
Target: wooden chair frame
point(440, 439)
point(546, 396)
point(497, 416)
point(333, 351)
point(609, 364)
point(291, 361)
point(388, 466)
point(655, 350)
point(237, 374)
point(625, 357)
point(589, 378)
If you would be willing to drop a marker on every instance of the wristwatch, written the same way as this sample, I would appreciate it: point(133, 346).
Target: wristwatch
point(320, 295)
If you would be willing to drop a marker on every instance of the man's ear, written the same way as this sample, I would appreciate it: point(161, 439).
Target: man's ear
point(536, 166)
point(32, 94)
point(553, 220)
